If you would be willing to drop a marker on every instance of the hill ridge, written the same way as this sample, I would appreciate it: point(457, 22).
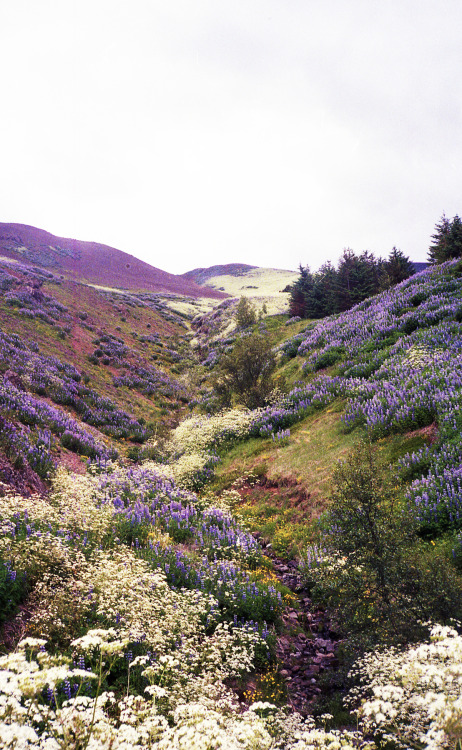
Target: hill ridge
point(93, 262)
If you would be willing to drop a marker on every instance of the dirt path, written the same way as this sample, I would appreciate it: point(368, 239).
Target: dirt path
point(306, 648)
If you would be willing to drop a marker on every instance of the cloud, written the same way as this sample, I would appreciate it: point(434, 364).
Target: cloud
point(196, 133)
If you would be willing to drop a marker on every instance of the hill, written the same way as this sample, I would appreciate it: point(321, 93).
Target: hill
point(202, 275)
point(172, 573)
point(92, 262)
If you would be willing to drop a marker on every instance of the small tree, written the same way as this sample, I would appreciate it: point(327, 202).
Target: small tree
point(398, 266)
point(379, 580)
point(245, 313)
point(447, 240)
point(245, 374)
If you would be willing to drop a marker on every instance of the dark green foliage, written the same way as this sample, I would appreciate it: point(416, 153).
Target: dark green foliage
point(329, 357)
point(447, 240)
point(456, 270)
point(385, 582)
point(357, 279)
point(12, 590)
point(332, 290)
point(245, 313)
point(398, 267)
point(418, 298)
point(245, 374)
point(410, 325)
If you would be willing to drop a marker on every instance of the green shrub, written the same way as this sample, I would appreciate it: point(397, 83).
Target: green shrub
point(329, 357)
point(12, 590)
point(379, 580)
point(418, 298)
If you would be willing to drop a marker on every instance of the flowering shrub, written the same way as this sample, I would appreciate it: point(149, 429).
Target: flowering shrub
point(195, 444)
point(211, 432)
point(412, 698)
point(46, 706)
point(141, 640)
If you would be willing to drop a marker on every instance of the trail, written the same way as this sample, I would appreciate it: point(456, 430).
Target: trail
point(306, 648)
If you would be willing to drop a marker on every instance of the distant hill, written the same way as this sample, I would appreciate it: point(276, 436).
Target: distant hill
point(262, 285)
point(92, 262)
point(201, 275)
point(418, 267)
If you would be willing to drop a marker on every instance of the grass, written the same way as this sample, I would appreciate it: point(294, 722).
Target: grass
point(285, 489)
point(189, 306)
point(258, 282)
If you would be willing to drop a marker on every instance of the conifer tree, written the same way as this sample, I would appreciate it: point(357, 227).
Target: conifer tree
point(300, 291)
point(447, 240)
point(398, 267)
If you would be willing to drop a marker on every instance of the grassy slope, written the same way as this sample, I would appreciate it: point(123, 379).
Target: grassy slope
point(261, 285)
point(289, 485)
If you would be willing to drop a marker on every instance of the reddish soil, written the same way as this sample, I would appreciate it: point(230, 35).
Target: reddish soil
point(23, 481)
point(430, 433)
point(93, 262)
point(283, 493)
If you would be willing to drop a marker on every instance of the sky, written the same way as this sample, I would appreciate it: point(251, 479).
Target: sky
point(191, 133)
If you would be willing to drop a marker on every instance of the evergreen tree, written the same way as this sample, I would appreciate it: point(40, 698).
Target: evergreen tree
point(348, 280)
point(300, 291)
point(323, 299)
point(369, 276)
point(398, 267)
point(331, 290)
point(447, 240)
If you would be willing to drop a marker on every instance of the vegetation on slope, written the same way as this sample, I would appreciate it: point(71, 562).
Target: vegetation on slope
point(157, 603)
point(331, 290)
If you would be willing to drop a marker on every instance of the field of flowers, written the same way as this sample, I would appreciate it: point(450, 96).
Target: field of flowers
point(144, 604)
point(135, 609)
point(46, 401)
point(398, 361)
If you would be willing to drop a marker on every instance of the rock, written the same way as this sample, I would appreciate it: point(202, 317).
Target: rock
point(303, 655)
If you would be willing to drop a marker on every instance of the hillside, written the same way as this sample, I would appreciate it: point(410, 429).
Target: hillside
point(202, 275)
point(92, 262)
point(101, 369)
point(257, 283)
point(201, 576)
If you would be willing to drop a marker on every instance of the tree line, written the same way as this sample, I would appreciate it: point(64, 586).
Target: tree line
point(336, 289)
point(447, 240)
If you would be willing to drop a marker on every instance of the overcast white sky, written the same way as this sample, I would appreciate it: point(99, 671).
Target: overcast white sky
point(195, 132)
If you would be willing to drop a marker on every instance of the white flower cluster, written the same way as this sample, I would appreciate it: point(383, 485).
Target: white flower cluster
point(420, 356)
point(208, 432)
point(192, 445)
point(413, 697)
point(209, 721)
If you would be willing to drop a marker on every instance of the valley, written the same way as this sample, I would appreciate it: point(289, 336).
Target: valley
point(181, 570)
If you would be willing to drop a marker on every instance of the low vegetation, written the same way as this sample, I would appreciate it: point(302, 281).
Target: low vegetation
point(139, 605)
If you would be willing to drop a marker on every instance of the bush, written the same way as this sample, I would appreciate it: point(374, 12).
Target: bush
point(329, 357)
point(245, 313)
point(246, 372)
point(379, 580)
